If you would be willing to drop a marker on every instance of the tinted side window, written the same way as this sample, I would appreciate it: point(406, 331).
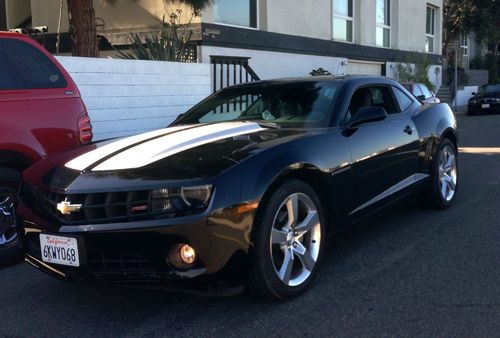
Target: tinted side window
point(382, 97)
point(403, 99)
point(425, 91)
point(376, 96)
point(22, 66)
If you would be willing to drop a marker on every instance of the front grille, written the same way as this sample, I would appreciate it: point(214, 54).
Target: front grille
point(101, 208)
point(96, 207)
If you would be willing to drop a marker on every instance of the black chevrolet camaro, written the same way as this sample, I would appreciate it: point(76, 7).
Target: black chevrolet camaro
point(247, 186)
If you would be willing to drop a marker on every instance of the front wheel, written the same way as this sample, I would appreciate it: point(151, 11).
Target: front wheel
point(9, 242)
point(288, 240)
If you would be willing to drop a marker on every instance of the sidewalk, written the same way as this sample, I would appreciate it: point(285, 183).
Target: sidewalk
point(460, 110)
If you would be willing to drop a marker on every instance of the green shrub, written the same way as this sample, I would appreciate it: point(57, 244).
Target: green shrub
point(414, 71)
point(488, 62)
point(319, 72)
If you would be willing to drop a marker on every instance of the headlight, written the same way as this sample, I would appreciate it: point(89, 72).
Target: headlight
point(180, 200)
point(497, 99)
point(194, 196)
point(472, 101)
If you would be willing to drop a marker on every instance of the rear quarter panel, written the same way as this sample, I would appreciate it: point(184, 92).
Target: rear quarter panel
point(433, 122)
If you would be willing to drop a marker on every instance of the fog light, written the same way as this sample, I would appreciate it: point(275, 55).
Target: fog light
point(188, 255)
point(182, 256)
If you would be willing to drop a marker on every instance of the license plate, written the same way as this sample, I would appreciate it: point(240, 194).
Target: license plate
point(59, 250)
point(486, 105)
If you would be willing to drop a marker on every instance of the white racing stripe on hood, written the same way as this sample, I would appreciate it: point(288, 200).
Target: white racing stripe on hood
point(86, 160)
point(168, 145)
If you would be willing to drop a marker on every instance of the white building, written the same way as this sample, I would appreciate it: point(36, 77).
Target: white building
point(282, 37)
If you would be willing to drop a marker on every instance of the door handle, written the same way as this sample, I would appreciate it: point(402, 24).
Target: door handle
point(409, 130)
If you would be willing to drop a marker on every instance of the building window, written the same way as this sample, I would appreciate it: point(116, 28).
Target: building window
point(236, 12)
point(429, 29)
point(342, 20)
point(464, 44)
point(383, 23)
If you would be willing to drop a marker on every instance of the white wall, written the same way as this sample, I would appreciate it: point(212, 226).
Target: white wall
point(271, 65)
point(303, 18)
point(314, 19)
point(463, 95)
point(17, 11)
point(125, 97)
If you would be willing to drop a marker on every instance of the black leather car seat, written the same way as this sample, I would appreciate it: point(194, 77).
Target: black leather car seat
point(361, 98)
point(289, 108)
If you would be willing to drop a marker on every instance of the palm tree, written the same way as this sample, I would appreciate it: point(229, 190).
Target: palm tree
point(83, 28)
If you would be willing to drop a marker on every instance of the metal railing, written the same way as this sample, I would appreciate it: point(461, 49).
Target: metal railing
point(231, 70)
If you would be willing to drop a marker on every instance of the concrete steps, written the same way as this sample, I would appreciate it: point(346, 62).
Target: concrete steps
point(445, 95)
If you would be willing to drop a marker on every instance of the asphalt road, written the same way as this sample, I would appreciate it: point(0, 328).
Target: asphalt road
point(410, 272)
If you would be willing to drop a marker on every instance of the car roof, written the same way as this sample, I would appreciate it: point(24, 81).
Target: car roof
point(324, 78)
point(414, 83)
point(14, 35)
point(10, 34)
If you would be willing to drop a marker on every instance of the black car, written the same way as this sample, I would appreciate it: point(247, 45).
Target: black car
point(485, 101)
point(246, 186)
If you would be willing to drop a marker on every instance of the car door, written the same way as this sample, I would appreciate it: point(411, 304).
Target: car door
point(384, 153)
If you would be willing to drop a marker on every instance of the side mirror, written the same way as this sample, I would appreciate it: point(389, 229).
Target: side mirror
point(473, 93)
point(421, 97)
point(366, 115)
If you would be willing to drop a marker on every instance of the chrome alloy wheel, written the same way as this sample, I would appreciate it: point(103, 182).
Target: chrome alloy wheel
point(447, 173)
point(295, 239)
point(8, 231)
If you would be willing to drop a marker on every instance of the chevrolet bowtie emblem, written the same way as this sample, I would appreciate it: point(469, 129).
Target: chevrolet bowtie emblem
point(65, 207)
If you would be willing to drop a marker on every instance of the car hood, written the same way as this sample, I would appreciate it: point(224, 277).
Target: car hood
point(187, 153)
point(485, 96)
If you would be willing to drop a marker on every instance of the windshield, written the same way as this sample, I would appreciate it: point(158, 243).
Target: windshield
point(489, 89)
point(293, 105)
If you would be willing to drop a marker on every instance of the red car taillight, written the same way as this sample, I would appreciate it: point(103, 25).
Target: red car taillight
point(84, 129)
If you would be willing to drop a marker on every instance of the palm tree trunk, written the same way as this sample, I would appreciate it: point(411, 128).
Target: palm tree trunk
point(82, 28)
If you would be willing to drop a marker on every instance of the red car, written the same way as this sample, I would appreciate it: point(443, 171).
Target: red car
point(41, 113)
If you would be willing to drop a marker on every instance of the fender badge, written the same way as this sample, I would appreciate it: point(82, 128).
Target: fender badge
point(65, 207)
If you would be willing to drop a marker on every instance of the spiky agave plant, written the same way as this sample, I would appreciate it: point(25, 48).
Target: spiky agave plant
point(168, 45)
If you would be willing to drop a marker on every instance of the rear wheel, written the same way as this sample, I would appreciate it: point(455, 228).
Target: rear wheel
point(288, 239)
point(10, 250)
point(442, 190)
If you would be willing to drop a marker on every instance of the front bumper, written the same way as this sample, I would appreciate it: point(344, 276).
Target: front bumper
point(492, 108)
point(138, 251)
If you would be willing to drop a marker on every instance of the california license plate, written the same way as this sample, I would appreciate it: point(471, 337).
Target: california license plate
point(486, 105)
point(59, 250)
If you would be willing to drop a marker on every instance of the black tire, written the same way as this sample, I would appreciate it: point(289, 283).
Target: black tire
point(433, 197)
point(264, 280)
point(10, 252)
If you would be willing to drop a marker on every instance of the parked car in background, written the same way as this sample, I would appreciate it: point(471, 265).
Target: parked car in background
point(248, 185)
point(41, 113)
point(421, 92)
point(485, 101)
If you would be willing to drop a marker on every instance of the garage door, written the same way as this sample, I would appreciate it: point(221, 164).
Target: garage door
point(356, 67)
